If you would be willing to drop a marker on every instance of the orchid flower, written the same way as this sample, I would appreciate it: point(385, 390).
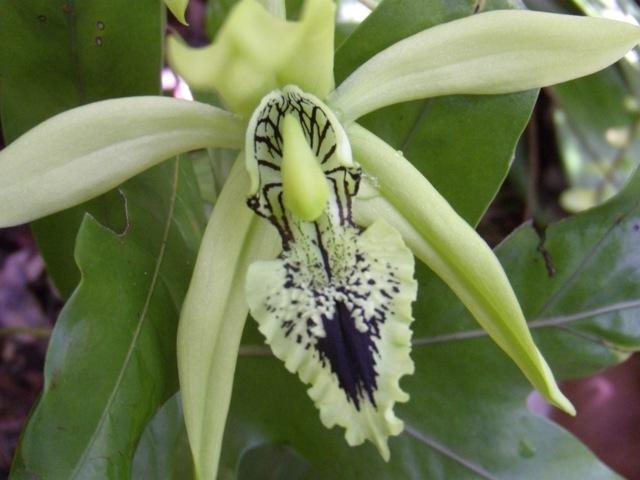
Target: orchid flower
point(321, 257)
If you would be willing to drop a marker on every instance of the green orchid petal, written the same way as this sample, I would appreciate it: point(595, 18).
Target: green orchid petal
point(257, 52)
point(335, 306)
point(488, 53)
point(178, 8)
point(310, 66)
point(454, 251)
point(84, 152)
point(213, 317)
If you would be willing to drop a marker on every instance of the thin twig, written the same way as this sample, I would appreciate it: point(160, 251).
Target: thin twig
point(42, 332)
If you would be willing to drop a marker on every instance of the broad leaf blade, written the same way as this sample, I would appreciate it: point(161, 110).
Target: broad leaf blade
point(598, 137)
point(66, 54)
point(111, 360)
point(163, 452)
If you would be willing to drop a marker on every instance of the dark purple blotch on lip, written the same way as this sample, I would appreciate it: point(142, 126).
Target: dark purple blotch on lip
point(350, 354)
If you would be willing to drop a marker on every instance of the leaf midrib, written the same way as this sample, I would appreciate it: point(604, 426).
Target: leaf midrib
point(140, 323)
point(447, 452)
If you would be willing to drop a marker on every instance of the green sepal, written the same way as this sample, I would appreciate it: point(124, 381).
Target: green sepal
point(213, 317)
point(454, 251)
point(84, 152)
point(502, 51)
point(256, 52)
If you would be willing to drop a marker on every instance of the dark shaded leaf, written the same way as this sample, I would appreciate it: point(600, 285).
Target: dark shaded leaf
point(598, 136)
point(62, 55)
point(111, 360)
point(163, 452)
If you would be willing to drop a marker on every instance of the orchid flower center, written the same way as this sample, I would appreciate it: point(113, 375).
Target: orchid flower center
point(336, 305)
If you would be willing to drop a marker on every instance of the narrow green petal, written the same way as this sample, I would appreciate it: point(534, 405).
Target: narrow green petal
point(310, 67)
point(495, 52)
point(257, 52)
point(178, 8)
point(213, 317)
point(84, 152)
point(454, 251)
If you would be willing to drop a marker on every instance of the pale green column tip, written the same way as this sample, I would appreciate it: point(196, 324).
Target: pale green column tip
point(303, 182)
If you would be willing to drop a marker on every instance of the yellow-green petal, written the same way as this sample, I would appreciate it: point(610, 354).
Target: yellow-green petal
point(213, 317)
point(454, 251)
point(256, 52)
point(495, 52)
point(84, 152)
point(310, 66)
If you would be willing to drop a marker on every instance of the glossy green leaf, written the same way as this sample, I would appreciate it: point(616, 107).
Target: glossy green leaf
point(163, 452)
point(213, 316)
point(468, 415)
point(597, 135)
point(462, 144)
point(84, 152)
point(110, 362)
point(487, 53)
point(59, 55)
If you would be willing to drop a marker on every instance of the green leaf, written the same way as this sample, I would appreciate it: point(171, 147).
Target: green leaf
point(462, 144)
point(163, 452)
point(598, 136)
point(111, 359)
point(65, 54)
point(468, 416)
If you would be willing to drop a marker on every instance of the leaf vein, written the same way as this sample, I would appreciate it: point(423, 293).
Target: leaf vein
point(443, 450)
point(139, 325)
